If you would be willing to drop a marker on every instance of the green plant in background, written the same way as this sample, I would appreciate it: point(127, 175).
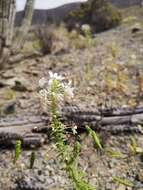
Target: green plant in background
point(113, 50)
point(54, 93)
point(88, 72)
point(36, 44)
point(123, 182)
point(133, 146)
point(114, 154)
point(32, 159)
point(17, 151)
point(100, 14)
point(86, 29)
point(73, 172)
point(95, 138)
point(9, 94)
point(84, 40)
point(129, 20)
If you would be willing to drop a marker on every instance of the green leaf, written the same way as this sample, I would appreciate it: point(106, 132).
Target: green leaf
point(32, 159)
point(115, 154)
point(95, 138)
point(76, 150)
point(133, 146)
point(17, 151)
point(123, 182)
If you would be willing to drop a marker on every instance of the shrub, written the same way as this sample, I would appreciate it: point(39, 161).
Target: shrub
point(81, 41)
point(45, 38)
point(105, 17)
point(53, 39)
point(100, 14)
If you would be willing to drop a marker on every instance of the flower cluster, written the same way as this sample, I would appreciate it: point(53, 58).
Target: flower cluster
point(56, 87)
point(86, 28)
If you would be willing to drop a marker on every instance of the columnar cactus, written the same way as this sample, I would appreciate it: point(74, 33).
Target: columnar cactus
point(28, 13)
point(7, 18)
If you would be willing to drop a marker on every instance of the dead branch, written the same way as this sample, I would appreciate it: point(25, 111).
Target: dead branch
point(26, 128)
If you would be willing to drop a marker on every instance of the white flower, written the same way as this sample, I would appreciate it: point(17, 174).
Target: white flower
point(69, 82)
point(55, 76)
point(68, 89)
point(42, 82)
point(69, 92)
point(85, 27)
point(74, 130)
point(43, 94)
point(55, 87)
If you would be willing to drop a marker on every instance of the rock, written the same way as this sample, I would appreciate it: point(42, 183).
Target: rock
point(8, 74)
point(140, 175)
point(133, 57)
point(2, 85)
point(138, 185)
point(112, 163)
point(20, 84)
point(30, 183)
point(121, 187)
point(9, 108)
point(136, 28)
point(19, 87)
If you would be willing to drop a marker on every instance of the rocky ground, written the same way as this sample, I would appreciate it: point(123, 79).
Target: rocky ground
point(107, 74)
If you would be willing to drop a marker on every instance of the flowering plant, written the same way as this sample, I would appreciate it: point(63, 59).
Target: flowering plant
point(54, 92)
point(57, 88)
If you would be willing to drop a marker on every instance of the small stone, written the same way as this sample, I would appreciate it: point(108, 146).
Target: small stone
point(8, 74)
point(19, 87)
point(2, 85)
point(140, 175)
point(121, 187)
point(136, 28)
point(20, 84)
point(9, 108)
point(139, 150)
point(39, 172)
point(49, 181)
point(133, 56)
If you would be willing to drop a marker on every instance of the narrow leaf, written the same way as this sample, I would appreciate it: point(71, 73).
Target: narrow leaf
point(17, 151)
point(32, 160)
point(123, 182)
point(95, 138)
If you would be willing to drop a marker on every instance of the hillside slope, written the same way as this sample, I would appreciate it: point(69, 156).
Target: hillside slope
point(45, 16)
point(110, 74)
point(57, 14)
